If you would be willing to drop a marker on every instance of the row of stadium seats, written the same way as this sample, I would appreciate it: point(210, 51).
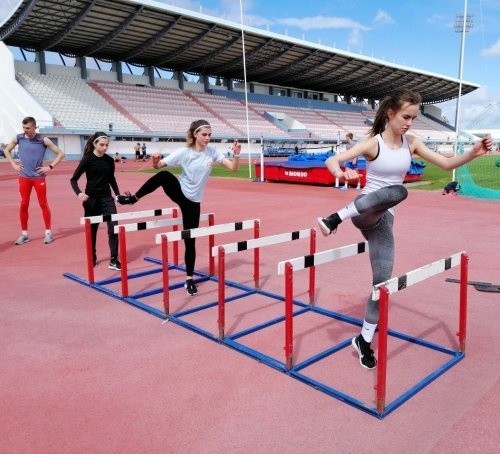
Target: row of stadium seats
point(73, 103)
point(78, 104)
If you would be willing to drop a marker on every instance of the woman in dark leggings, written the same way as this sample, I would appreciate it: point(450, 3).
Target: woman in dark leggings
point(196, 160)
point(388, 152)
point(99, 169)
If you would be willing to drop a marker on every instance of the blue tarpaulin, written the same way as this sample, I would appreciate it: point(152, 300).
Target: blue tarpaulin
point(416, 167)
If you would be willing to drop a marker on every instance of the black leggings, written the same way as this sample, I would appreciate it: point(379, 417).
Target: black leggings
point(376, 224)
point(190, 210)
point(97, 206)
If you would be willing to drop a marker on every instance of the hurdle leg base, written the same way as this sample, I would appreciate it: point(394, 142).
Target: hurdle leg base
point(381, 405)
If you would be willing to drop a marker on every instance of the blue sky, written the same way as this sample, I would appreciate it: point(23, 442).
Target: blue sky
point(417, 34)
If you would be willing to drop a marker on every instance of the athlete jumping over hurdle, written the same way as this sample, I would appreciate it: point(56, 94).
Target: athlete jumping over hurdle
point(196, 160)
point(388, 152)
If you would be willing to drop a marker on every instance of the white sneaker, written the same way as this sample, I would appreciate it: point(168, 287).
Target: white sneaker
point(22, 239)
point(323, 226)
point(48, 238)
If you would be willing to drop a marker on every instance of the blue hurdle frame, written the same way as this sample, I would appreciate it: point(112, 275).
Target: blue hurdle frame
point(234, 340)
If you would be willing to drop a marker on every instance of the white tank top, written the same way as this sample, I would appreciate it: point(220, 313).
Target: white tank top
point(388, 168)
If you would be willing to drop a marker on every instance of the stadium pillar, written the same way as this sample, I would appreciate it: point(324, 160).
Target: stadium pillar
point(117, 67)
point(179, 76)
point(40, 58)
point(151, 75)
point(206, 83)
point(81, 63)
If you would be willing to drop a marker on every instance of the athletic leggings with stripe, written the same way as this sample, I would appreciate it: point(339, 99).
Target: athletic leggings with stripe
point(376, 224)
point(190, 210)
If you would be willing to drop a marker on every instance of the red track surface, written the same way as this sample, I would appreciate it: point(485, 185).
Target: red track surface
point(83, 372)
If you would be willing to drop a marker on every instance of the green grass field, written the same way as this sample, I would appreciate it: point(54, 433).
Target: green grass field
point(434, 178)
point(483, 170)
point(217, 171)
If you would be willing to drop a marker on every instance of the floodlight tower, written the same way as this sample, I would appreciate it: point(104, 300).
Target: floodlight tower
point(463, 24)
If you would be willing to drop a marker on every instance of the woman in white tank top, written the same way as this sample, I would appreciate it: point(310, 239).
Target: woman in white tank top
point(388, 152)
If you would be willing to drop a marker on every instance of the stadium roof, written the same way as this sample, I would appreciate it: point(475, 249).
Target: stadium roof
point(152, 34)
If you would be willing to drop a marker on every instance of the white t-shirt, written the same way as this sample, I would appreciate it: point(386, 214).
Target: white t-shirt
point(196, 168)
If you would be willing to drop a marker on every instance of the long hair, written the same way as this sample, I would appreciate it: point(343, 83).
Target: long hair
point(195, 125)
point(394, 101)
point(89, 146)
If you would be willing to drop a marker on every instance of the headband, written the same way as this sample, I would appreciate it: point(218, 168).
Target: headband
point(100, 137)
point(202, 126)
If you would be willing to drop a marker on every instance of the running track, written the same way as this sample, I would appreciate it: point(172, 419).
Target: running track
point(82, 372)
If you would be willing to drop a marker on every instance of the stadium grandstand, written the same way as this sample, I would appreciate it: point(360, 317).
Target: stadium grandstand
point(144, 71)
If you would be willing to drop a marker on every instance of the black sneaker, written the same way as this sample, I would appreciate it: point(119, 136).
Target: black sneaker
point(126, 199)
point(329, 225)
point(114, 264)
point(365, 353)
point(191, 287)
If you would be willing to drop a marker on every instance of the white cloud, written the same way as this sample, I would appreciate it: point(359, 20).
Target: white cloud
point(322, 22)
point(383, 18)
point(436, 19)
point(478, 110)
point(253, 20)
point(493, 51)
point(355, 40)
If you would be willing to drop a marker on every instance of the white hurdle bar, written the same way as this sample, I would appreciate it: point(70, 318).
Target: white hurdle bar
point(288, 267)
point(256, 244)
point(382, 291)
point(88, 220)
point(211, 231)
point(129, 215)
point(174, 222)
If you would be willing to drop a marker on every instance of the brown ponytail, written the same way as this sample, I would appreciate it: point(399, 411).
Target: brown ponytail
point(392, 102)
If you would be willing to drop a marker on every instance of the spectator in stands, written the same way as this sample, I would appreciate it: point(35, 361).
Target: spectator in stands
point(32, 174)
point(144, 151)
point(99, 169)
point(349, 137)
point(137, 151)
point(353, 163)
point(196, 159)
point(388, 153)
